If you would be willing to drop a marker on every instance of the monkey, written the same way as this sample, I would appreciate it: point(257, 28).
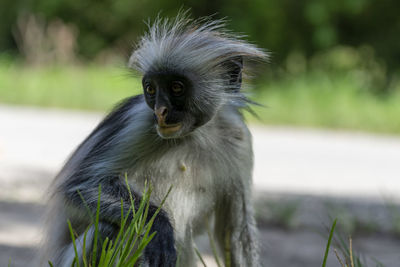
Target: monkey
point(187, 131)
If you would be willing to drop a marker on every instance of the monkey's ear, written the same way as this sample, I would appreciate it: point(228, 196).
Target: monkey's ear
point(235, 66)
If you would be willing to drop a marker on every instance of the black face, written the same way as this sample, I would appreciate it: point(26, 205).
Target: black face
point(169, 95)
point(179, 106)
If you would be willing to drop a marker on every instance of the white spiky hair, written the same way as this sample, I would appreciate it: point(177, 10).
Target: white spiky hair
point(199, 49)
point(196, 46)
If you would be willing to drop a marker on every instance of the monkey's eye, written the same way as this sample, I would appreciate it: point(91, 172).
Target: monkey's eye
point(177, 88)
point(150, 89)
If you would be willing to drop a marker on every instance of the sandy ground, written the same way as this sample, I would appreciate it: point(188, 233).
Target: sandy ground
point(310, 168)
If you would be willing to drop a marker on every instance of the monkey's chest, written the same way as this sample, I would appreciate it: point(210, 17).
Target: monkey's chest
point(192, 183)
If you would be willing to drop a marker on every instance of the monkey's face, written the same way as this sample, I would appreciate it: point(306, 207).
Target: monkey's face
point(173, 97)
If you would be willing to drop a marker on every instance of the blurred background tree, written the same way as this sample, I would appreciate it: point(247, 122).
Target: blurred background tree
point(282, 26)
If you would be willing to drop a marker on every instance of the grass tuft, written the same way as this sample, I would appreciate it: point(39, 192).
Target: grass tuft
point(131, 240)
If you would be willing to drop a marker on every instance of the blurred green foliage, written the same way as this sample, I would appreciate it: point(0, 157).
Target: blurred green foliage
point(87, 87)
point(282, 26)
point(337, 98)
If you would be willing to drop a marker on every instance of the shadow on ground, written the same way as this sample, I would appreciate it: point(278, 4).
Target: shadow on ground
point(293, 230)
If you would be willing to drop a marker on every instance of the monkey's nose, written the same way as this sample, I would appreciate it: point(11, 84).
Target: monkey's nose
point(161, 114)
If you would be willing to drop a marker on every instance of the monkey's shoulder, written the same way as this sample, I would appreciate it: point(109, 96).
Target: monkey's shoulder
point(231, 125)
point(122, 112)
point(127, 116)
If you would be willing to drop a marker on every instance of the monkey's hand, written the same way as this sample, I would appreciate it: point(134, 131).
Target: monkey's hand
point(161, 249)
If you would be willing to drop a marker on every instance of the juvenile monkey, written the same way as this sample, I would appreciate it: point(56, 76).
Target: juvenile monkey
point(185, 130)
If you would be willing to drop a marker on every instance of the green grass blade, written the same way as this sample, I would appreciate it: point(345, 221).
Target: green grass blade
point(84, 256)
point(74, 243)
point(130, 194)
point(133, 231)
point(96, 229)
point(110, 256)
point(121, 236)
point(213, 246)
point(103, 253)
point(200, 257)
point(139, 250)
point(89, 211)
point(328, 245)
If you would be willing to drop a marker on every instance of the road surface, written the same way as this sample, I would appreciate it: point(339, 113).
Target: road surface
point(34, 143)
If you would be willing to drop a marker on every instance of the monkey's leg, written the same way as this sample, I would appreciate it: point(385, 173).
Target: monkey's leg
point(236, 231)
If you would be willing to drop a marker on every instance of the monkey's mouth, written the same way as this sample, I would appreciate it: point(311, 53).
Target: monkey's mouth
point(168, 129)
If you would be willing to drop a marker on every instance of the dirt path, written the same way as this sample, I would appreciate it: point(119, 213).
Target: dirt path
point(308, 163)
